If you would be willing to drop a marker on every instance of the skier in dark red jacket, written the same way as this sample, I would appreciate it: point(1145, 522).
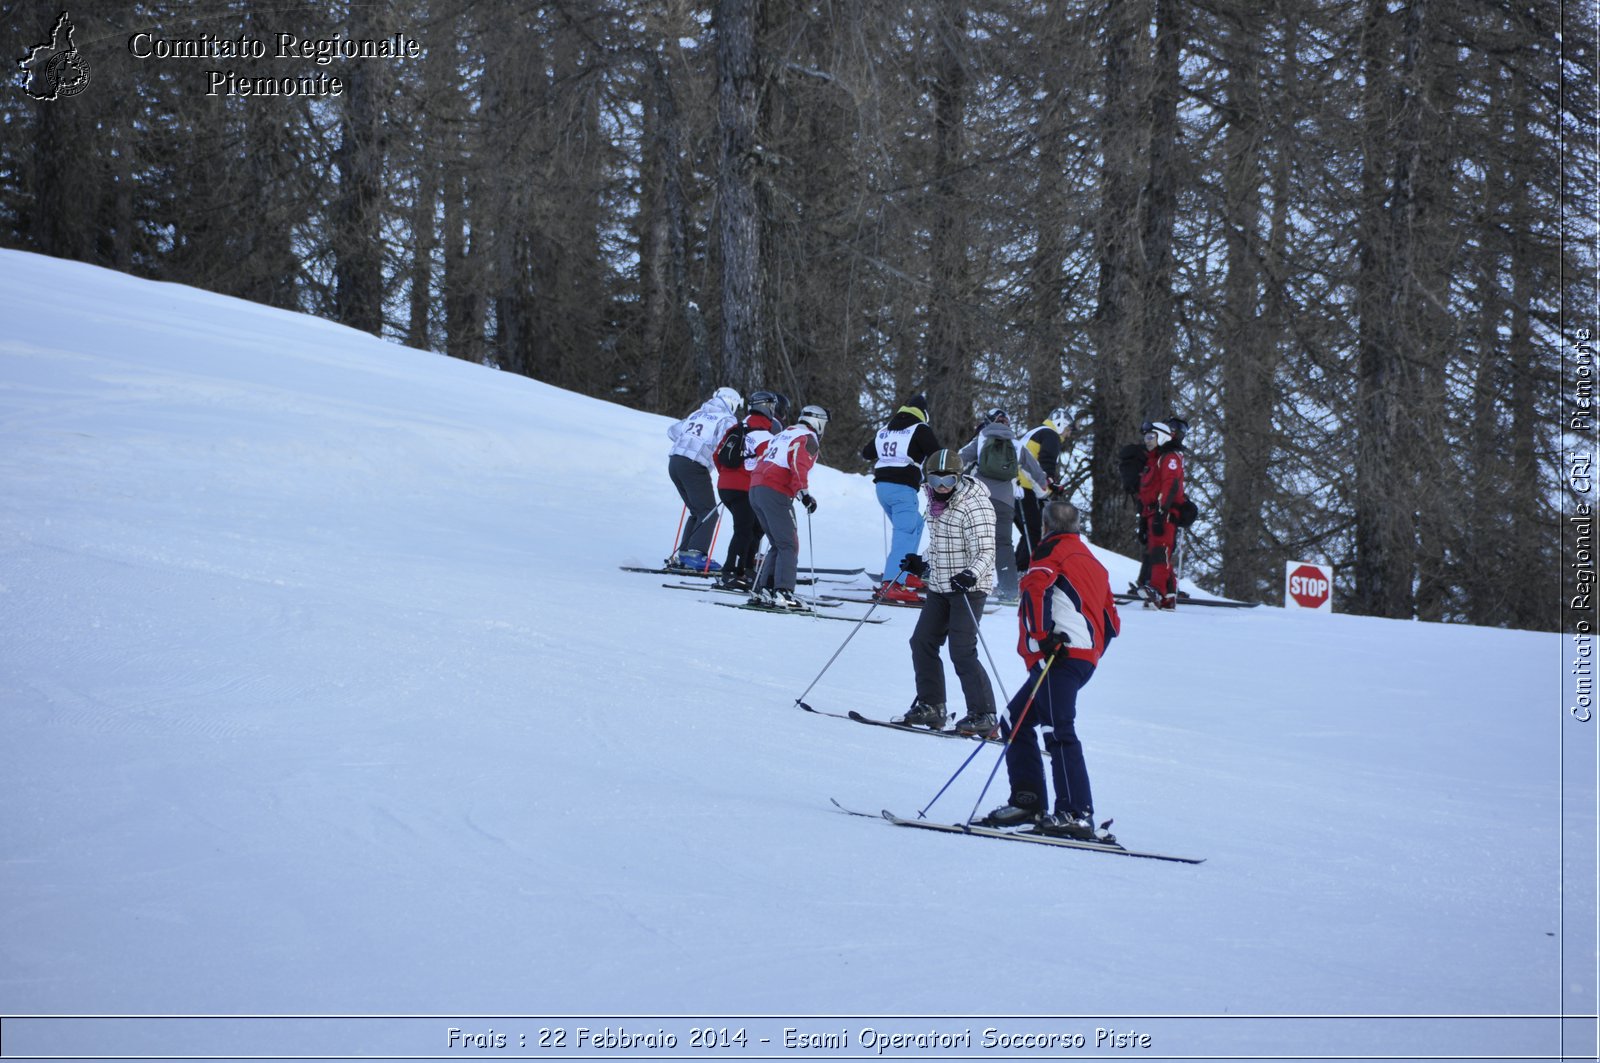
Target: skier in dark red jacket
point(765, 420)
point(1160, 496)
point(1067, 617)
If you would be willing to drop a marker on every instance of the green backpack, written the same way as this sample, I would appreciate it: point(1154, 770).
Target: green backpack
point(997, 459)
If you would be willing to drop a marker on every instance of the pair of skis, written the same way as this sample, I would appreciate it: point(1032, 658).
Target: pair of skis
point(858, 718)
point(817, 604)
point(679, 570)
point(1122, 598)
point(817, 611)
point(1029, 836)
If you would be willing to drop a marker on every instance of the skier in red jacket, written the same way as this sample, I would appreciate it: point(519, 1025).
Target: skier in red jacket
point(1160, 495)
point(1067, 617)
point(779, 478)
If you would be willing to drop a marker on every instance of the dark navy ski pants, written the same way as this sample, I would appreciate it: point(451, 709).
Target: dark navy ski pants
point(1054, 711)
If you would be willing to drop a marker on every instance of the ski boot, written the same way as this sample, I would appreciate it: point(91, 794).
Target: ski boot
point(894, 592)
point(925, 714)
point(1022, 809)
point(981, 724)
point(1076, 825)
point(782, 599)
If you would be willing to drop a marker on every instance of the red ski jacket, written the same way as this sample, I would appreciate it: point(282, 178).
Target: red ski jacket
point(1066, 590)
point(1161, 483)
point(762, 429)
point(786, 464)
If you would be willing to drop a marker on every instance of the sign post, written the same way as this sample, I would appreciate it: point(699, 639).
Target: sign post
point(1307, 585)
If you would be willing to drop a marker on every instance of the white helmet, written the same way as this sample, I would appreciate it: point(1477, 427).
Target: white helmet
point(1161, 430)
point(1060, 420)
point(815, 416)
point(730, 398)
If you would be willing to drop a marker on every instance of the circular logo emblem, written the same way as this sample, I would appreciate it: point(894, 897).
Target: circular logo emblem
point(66, 74)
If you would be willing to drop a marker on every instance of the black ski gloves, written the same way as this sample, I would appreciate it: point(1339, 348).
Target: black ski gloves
point(914, 564)
point(1054, 643)
point(964, 580)
point(807, 501)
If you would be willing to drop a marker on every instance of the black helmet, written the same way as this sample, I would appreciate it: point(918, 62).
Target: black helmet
point(765, 402)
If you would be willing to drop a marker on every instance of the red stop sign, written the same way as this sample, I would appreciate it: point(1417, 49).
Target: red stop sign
point(1309, 586)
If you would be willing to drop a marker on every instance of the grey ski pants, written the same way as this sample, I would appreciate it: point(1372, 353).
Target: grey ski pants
point(693, 482)
point(775, 510)
point(1005, 557)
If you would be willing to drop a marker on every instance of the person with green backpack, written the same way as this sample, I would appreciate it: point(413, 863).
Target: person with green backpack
point(995, 456)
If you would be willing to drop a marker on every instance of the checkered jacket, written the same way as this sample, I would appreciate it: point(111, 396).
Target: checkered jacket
point(962, 537)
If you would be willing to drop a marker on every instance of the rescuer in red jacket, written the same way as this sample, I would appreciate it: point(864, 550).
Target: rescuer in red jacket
point(1160, 496)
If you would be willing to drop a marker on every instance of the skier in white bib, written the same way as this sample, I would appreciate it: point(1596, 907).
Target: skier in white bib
point(694, 441)
point(897, 452)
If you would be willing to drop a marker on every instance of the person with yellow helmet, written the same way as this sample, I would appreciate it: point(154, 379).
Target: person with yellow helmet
point(1046, 443)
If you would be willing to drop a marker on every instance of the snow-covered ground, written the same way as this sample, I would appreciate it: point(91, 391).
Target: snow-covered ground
point(322, 693)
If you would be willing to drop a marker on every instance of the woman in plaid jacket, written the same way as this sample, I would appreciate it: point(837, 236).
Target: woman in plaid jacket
point(959, 574)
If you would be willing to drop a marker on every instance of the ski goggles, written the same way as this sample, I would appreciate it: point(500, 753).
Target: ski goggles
point(944, 481)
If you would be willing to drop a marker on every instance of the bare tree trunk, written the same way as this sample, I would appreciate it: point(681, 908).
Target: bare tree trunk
point(1487, 482)
point(1046, 279)
point(1248, 351)
point(356, 219)
point(1385, 509)
point(65, 170)
point(1115, 327)
point(434, 139)
point(1529, 602)
point(741, 350)
point(949, 361)
point(463, 303)
point(658, 276)
point(1156, 355)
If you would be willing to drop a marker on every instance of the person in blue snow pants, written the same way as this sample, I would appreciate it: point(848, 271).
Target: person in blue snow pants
point(897, 451)
point(903, 508)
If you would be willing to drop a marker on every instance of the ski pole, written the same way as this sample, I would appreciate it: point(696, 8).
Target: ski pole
point(993, 668)
point(1027, 536)
point(1016, 726)
point(715, 511)
point(977, 748)
point(801, 700)
point(811, 547)
point(715, 531)
point(677, 536)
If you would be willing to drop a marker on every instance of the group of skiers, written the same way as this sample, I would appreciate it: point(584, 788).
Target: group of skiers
point(975, 496)
point(762, 467)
